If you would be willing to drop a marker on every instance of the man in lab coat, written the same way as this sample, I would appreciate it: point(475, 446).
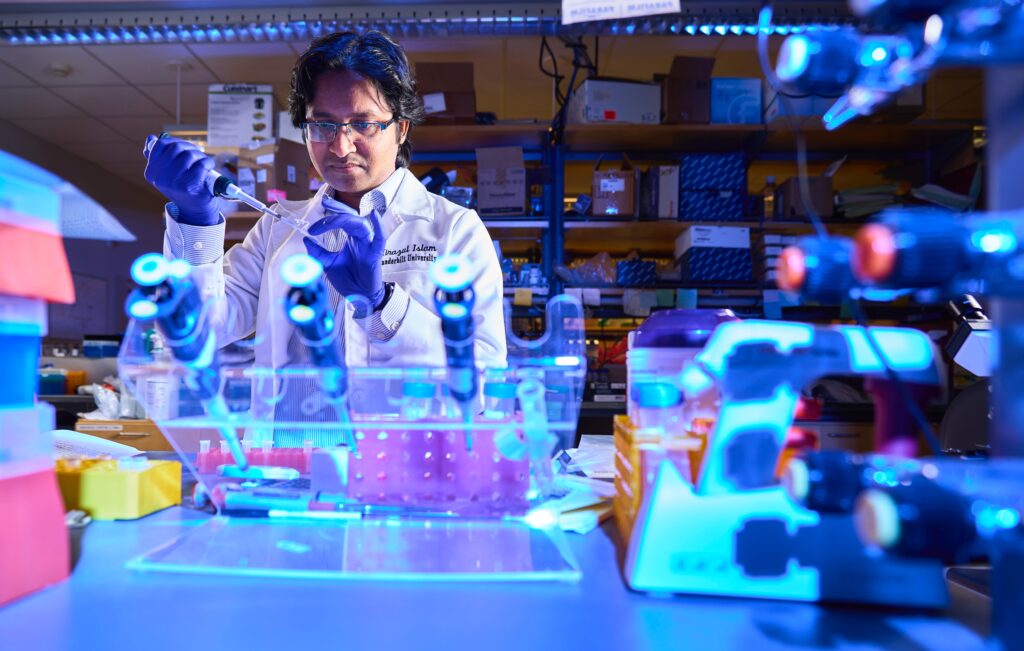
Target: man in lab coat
point(376, 228)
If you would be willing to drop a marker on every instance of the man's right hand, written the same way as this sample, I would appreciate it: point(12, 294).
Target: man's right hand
point(178, 170)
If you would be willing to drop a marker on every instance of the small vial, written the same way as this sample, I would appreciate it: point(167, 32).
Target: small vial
point(499, 400)
point(417, 400)
point(660, 407)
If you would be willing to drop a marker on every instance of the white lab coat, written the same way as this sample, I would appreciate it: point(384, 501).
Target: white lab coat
point(248, 291)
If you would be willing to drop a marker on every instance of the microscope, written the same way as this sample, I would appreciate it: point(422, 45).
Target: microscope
point(949, 509)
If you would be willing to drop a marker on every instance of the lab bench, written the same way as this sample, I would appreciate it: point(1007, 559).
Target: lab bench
point(105, 606)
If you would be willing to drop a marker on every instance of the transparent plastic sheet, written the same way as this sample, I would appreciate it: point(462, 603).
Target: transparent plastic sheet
point(426, 495)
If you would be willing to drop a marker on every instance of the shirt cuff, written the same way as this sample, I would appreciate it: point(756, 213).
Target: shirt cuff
point(194, 244)
point(383, 325)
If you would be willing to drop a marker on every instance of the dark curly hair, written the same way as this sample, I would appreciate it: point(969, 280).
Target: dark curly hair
point(372, 55)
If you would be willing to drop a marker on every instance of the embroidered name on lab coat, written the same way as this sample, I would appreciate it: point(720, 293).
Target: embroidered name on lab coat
point(410, 253)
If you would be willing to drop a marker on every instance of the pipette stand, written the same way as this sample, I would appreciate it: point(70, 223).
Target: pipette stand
point(410, 501)
point(737, 532)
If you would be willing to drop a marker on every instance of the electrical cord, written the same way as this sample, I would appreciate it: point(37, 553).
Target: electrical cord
point(764, 22)
point(763, 29)
point(901, 387)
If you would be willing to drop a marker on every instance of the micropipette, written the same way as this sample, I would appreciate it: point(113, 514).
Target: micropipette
point(221, 186)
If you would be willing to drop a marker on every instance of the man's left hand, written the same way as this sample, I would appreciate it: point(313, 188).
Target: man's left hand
point(356, 268)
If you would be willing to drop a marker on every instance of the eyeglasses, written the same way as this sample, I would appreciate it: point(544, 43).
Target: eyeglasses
point(327, 132)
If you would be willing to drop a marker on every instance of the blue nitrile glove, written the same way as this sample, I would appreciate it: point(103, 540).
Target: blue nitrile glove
point(356, 268)
point(178, 170)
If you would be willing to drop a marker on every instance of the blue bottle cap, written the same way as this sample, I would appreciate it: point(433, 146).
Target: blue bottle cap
point(500, 390)
point(656, 395)
point(418, 390)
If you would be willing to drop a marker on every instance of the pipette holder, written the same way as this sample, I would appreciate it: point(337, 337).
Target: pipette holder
point(411, 501)
point(736, 532)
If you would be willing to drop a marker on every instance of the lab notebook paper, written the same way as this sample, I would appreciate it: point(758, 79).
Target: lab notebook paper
point(402, 484)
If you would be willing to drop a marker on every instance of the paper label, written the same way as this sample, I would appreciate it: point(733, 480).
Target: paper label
point(581, 11)
point(433, 103)
point(614, 184)
point(523, 297)
point(290, 173)
point(261, 176)
point(239, 114)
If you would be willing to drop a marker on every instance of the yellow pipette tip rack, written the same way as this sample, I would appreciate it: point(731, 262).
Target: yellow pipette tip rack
point(126, 489)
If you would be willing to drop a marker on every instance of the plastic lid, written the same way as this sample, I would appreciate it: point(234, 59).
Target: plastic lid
point(656, 394)
point(797, 480)
point(877, 519)
point(500, 390)
point(418, 390)
point(680, 328)
point(874, 253)
point(792, 269)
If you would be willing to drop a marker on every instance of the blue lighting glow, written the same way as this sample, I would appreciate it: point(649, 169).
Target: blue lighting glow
point(143, 309)
point(794, 56)
point(541, 518)
point(454, 311)
point(785, 337)
point(994, 240)
point(567, 360)
point(149, 269)
point(873, 54)
point(301, 314)
point(695, 381)
point(179, 269)
point(301, 30)
point(301, 270)
point(904, 350)
point(451, 272)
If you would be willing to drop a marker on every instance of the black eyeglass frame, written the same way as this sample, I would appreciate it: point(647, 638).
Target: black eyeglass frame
point(347, 126)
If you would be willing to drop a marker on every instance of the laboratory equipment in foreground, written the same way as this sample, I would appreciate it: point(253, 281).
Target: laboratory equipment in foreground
point(376, 472)
point(719, 522)
point(34, 547)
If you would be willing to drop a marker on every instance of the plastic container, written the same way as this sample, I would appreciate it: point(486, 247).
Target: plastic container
point(19, 359)
point(52, 382)
point(661, 346)
point(769, 197)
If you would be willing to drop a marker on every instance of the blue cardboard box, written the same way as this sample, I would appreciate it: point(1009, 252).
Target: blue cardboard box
point(715, 253)
point(713, 172)
point(735, 100)
point(636, 273)
point(712, 205)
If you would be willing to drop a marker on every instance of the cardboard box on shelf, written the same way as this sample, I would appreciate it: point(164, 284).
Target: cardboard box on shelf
point(602, 101)
point(713, 187)
point(501, 181)
point(715, 253)
point(735, 100)
point(281, 170)
point(659, 193)
point(635, 272)
point(448, 92)
point(789, 202)
point(712, 205)
point(908, 104)
point(777, 111)
point(614, 191)
point(713, 172)
point(686, 91)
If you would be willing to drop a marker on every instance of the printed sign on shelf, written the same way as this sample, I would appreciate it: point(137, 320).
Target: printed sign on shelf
point(582, 11)
point(239, 114)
